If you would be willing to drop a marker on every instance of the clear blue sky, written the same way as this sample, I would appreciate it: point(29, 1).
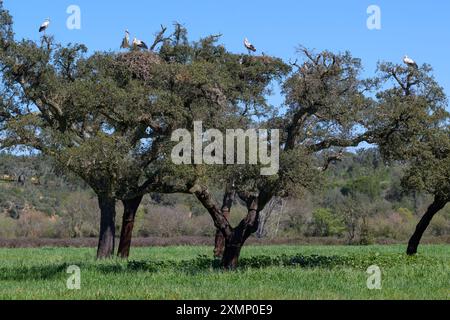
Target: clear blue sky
point(417, 28)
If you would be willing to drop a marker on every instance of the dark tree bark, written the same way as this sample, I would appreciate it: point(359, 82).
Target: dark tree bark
point(437, 205)
point(228, 199)
point(129, 215)
point(219, 242)
point(205, 198)
point(234, 237)
point(235, 241)
point(106, 241)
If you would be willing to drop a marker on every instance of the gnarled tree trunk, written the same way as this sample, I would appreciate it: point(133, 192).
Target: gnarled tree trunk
point(437, 205)
point(107, 226)
point(219, 242)
point(228, 199)
point(129, 215)
point(235, 241)
point(234, 238)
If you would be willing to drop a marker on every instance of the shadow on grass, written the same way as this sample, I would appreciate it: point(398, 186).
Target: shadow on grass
point(22, 273)
point(193, 266)
point(205, 264)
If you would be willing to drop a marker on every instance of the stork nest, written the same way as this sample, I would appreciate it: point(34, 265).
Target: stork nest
point(140, 63)
point(246, 59)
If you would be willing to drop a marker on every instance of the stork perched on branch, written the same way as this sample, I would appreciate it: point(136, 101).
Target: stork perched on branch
point(410, 62)
point(250, 47)
point(126, 40)
point(44, 26)
point(139, 44)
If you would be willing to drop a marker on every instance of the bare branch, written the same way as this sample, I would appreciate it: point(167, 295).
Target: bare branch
point(159, 38)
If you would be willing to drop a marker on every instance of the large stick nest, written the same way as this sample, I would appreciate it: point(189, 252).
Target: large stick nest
point(140, 63)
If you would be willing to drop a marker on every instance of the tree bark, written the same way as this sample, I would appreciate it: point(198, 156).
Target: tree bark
point(234, 237)
point(208, 202)
point(219, 242)
point(226, 211)
point(106, 241)
point(129, 215)
point(235, 242)
point(437, 205)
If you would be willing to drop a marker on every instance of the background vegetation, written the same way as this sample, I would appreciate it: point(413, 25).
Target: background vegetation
point(361, 202)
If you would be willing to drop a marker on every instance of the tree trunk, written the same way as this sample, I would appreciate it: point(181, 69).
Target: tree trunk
point(437, 205)
point(226, 211)
point(231, 253)
point(208, 202)
point(219, 243)
point(107, 227)
point(129, 214)
point(234, 238)
point(235, 241)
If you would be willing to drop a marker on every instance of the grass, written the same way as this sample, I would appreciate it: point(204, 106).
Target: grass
point(267, 272)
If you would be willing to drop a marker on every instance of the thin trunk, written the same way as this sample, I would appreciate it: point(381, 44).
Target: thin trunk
point(106, 240)
point(228, 199)
point(437, 205)
point(130, 208)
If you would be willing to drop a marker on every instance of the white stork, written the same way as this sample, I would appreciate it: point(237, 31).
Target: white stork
point(126, 41)
point(250, 47)
point(44, 26)
point(410, 62)
point(139, 44)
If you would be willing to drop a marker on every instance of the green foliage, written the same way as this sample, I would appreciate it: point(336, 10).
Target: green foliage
point(325, 223)
point(367, 185)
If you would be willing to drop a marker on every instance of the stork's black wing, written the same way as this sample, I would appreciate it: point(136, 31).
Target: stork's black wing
point(143, 45)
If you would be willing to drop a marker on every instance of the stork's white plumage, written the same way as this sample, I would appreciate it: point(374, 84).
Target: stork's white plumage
point(410, 62)
point(44, 26)
point(249, 46)
point(139, 44)
point(126, 41)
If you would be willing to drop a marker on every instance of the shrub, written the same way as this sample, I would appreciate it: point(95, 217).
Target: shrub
point(439, 226)
point(325, 224)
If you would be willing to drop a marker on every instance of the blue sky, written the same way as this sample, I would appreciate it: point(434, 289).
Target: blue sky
point(417, 28)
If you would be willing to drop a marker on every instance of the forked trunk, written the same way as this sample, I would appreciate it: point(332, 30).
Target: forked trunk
point(219, 243)
point(130, 208)
point(106, 240)
point(235, 242)
point(228, 199)
point(232, 253)
point(437, 205)
point(234, 238)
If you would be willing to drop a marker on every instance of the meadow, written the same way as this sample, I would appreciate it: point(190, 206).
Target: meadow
point(266, 272)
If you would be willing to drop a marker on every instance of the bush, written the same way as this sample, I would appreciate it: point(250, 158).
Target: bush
point(325, 224)
point(7, 227)
point(398, 225)
point(439, 226)
point(176, 221)
point(34, 224)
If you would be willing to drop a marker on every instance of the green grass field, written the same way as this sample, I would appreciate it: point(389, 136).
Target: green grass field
point(317, 272)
